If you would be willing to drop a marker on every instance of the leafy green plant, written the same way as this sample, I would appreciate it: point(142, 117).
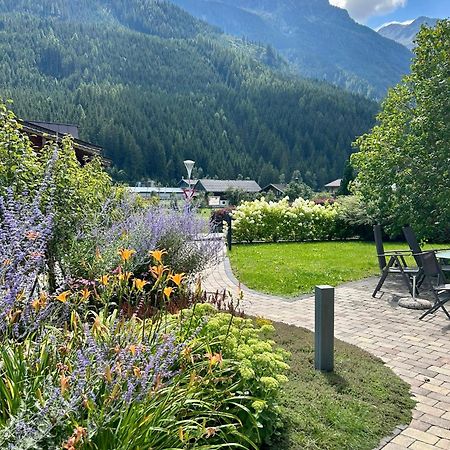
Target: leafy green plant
point(402, 164)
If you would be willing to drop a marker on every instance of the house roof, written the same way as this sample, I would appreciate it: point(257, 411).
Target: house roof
point(280, 187)
point(221, 186)
point(186, 181)
point(60, 128)
point(155, 189)
point(335, 183)
point(38, 128)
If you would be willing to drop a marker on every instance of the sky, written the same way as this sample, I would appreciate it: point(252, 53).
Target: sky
point(375, 13)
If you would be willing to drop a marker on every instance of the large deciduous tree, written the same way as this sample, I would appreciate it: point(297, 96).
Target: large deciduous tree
point(404, 162)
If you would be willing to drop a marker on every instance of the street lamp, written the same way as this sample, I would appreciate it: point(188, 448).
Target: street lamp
point(189, 166)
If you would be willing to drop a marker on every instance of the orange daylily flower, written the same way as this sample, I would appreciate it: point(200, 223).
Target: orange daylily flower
point(132, 349)
point(64, 384)
point(177, 278)
point(32, 235)
point(63, 296)
point(39, 302)
point(158, 271)
point(168, 291)
point(85, 294)
point(75, 439)
point(126, 254)
point(108, 374)
point(104, 279)
point(215, 359)
point(139, 284)
point(97, 326)
point(158, 254)
point(124, 276)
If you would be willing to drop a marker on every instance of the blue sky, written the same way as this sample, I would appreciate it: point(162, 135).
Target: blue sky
point(377, 12)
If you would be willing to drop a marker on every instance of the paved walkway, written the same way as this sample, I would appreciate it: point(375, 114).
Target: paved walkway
point(417, 351)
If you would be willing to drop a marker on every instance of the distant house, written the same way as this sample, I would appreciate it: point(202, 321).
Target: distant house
point(277, 188)
point(333, 186)
point(163, 193)
point(183, 183)
point(40, 133)
point(216, 190)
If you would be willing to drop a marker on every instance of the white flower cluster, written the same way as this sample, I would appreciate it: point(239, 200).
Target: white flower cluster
point(302, 220)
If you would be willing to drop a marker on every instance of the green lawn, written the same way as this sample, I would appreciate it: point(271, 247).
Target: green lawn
point(350, 409)
point(290, 269)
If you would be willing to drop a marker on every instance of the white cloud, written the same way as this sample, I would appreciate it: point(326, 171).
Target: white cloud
point(406, 22)
point(361, 10)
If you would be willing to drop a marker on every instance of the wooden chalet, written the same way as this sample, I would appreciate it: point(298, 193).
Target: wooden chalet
point(40, 133)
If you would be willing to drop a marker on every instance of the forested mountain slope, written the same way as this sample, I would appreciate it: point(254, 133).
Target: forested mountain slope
point(155, 86)
point(320, 40)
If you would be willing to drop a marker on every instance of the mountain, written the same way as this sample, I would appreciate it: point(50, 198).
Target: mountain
point(154, 86)
point(405, 33)
point(319, 39)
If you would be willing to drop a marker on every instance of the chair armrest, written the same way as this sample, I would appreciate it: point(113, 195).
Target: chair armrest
point(396, 253)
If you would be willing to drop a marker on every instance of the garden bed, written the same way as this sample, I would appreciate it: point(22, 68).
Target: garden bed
point(352, 408)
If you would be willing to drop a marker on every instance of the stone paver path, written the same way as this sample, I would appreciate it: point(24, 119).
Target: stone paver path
point(417, 351)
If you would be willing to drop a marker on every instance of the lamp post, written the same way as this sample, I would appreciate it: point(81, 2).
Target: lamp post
point(189, 164)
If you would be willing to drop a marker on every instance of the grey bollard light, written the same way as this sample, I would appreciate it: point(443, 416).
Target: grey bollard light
point(324, 328)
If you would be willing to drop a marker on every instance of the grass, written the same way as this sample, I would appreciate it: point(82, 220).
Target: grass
point(290, 269)
point(352, 408)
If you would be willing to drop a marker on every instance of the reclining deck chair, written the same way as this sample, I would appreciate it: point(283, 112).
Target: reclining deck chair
point(396, 265)
point(440, 289)
point(411, 239)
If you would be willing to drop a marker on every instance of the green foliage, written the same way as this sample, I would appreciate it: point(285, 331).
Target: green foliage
point(298, 189)
point(348, 177)
point(260, 365)
point(403, 163)
point(20, 167)
point(237, 196)
point(353, 219)
point(280, 221)
point(204, 96)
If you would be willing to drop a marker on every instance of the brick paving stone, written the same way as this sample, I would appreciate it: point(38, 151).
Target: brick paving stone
point(417, 445)
point(402, 440)
point(418, 351)
point(443, 443)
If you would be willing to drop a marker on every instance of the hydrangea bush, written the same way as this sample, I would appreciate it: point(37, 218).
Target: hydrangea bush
point(302, 220)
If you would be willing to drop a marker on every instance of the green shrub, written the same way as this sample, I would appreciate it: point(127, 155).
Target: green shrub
point(352, 218)
point(259, 366)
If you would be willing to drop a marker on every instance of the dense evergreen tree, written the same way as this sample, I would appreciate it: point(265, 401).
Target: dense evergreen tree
point(155, 86)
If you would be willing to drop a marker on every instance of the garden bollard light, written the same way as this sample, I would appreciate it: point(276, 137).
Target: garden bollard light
point(324, 328)
point(228, 219)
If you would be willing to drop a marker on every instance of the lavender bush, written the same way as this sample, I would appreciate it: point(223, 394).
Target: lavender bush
point(181, 233)
point(25, 233)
